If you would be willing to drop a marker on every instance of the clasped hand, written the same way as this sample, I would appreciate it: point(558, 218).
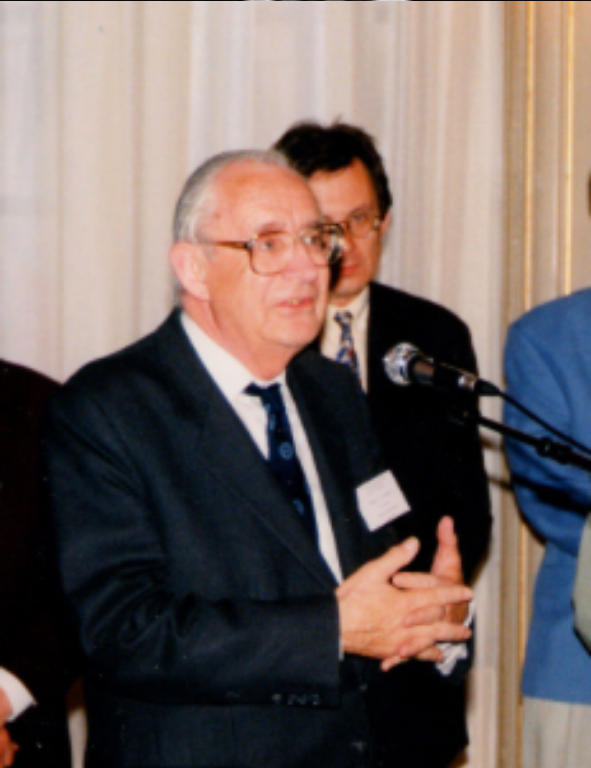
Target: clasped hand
point(7, 749)
point(393, 616)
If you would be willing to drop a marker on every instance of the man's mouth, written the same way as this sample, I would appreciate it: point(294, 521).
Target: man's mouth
point(305, 301)
point(347, 267)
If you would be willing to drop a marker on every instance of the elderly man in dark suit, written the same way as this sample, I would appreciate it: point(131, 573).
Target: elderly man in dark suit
point(225, 524)
point(36, 657)
point(437, 462)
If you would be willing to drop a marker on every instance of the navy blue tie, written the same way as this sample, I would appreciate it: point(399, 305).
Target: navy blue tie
point(283, 458)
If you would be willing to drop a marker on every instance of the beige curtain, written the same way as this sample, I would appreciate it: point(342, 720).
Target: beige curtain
point(94, 104)
point(106, 106)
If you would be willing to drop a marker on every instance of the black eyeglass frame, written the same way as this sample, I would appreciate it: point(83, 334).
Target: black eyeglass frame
point(345, 225)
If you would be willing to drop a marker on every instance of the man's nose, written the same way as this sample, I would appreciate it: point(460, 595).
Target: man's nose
point(348, 239)
point(301, 260)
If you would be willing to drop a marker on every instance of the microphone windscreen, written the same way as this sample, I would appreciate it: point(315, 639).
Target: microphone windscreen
point(397, 361)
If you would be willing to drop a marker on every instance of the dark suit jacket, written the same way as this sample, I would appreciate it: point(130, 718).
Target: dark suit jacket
point(33, 642)
point(439, 466)
point(207, 615)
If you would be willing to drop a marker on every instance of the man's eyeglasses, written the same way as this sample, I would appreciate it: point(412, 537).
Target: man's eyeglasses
point(271, 252)
point(361, 223)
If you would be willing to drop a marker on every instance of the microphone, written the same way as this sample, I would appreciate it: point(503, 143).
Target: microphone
point(405, 364)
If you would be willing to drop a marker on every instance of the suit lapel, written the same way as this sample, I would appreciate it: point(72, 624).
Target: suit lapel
point(315, 409)
point(382, 335)
point(387, 328)
point(223, 447)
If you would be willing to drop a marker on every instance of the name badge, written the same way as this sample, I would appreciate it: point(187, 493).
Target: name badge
point(381, 500)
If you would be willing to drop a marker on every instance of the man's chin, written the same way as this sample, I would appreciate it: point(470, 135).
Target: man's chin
point(343, 299)
point(299, 338)
point(346, 290)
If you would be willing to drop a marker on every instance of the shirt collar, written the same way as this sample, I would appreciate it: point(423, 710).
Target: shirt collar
point(231, 376)
point(357, 307)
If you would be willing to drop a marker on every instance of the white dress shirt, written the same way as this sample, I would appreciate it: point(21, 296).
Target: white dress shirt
point(18, 694)
point(232, 378)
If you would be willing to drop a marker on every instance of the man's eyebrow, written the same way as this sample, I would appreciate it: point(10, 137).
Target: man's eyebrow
point(270, 226)
point(281, 226)
point(364, 208)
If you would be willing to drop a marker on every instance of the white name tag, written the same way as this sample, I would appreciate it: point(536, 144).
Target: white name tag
point(381, 500)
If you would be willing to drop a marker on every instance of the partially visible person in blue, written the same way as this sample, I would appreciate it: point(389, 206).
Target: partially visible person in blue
point(548, 369)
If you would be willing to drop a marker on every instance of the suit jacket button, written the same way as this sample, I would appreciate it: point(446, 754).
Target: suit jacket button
point(295, 699)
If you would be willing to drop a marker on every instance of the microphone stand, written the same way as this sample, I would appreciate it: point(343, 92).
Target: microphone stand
point(404, 365)
point(544, 446)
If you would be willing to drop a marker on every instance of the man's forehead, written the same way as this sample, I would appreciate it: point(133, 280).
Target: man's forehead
point(265, 191)
point(246, 176)
point(345, 190)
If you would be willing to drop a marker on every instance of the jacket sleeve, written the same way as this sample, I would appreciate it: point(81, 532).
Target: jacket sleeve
point(553, 497)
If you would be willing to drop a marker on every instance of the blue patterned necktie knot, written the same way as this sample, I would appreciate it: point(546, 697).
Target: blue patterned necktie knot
point(346, 353)
point(283, 458)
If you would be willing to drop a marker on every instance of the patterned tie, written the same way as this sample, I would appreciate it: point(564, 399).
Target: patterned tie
point(283, 458)
point(346, 353)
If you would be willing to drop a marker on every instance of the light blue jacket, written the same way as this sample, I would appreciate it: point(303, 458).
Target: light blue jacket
point(548, 369)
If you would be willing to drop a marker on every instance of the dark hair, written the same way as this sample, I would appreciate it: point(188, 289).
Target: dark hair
point(311, 147)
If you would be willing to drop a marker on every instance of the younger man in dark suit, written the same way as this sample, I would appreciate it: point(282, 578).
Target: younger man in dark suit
point(36, 665)
point(438, 463)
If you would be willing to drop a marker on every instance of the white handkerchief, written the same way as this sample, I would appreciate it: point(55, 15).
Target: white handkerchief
point(381, 500)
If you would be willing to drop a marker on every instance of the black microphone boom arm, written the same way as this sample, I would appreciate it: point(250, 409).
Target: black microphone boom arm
point(404, 365)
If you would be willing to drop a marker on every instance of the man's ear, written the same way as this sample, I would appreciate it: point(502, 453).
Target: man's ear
point(190, 265)
point(385, 225)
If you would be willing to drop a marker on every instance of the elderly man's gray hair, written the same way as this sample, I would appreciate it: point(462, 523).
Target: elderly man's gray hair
point(195, 203)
